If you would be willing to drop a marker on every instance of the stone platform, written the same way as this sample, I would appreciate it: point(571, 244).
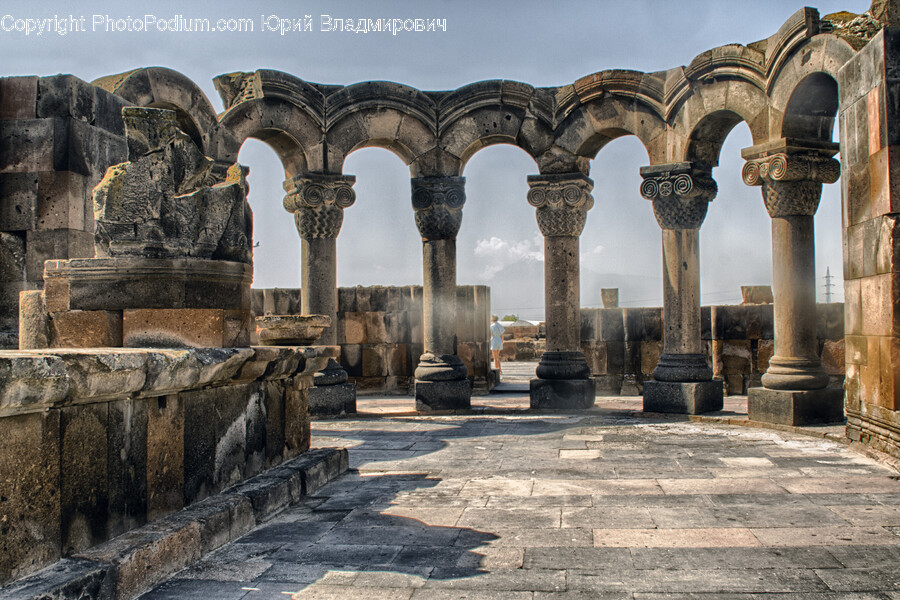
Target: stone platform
point(571, 507)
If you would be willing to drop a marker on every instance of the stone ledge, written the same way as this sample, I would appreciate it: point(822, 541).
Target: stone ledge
point(130, 564)
point(35, 380)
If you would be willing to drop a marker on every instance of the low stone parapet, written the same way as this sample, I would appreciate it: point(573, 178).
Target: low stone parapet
point(96, 442)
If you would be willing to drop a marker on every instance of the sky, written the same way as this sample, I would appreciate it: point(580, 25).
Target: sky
point(538, 42)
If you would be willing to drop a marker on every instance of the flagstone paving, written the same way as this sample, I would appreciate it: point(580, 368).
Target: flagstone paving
point(541, 507)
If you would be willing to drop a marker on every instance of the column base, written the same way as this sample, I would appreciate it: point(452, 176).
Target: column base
point(443, 395)
point(796, 407)
point(332, 400)
point(691, 398)
point(563, 393)
point(680, 368)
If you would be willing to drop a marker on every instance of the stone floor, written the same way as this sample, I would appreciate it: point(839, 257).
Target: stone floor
point(575, 506)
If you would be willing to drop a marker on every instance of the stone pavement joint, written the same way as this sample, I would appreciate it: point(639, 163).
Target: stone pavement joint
point(571, 506)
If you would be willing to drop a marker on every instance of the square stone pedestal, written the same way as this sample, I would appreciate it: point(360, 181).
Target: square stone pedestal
point(563, 393)
point(787, 407)
point(443, 395)
point(331, 400)
point(681, 397)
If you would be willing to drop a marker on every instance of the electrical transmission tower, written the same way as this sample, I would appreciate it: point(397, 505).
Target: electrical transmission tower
point(828, 285)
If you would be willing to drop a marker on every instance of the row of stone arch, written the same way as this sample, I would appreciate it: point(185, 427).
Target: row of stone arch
point(785, 88)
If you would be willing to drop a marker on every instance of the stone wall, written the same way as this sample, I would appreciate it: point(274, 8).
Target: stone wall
point(870, 131)
point(97, 442)
point(379, 330)
point(622, 345)
point(58, 135)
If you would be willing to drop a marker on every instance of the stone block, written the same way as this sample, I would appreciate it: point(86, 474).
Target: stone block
point(650, 351)
point(757, 294)
point(332, 400)
point(346, 299)
point(18, 201)
point(509, 350)
point(255, 422)
point(351, 359)
point(683, 398)
point(416, 331)
point(236, 328)
point(173, 328)
point(32, 145)
point(43, 245)
point(858, 193)
point(764, 352)
point(562, 394)
point(830, 321)
point(29, 486)
point(34, 323)
point(370, 385)
point(615, 358)
point(274, 399)
point(296, 422)
point(396, 327)
point(18, 98)
point(61, 201)
point(796, 408)
point(354, 328)
point(375, 328)
point(443, 395)
point(833, 357)
point(165, 456)
point(84, 483)
point(127, 465)
point(373, 363)
point(595, 355)
point(86, 329)
point(889, 372)
point(608, 385)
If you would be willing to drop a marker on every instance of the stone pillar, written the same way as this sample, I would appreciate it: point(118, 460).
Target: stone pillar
point(318, 202)
point(563, 376)
point(682, 380)
point(441, 377)
point(794, 388)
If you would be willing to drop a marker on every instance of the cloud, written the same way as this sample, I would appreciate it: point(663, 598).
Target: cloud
point(592, 259)
point(498, 254)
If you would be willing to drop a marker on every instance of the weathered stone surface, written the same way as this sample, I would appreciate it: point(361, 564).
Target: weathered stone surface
point(331, 400)
point(34, 323)
point(30, 487)
point(85, 329)
point(562, 393)
point(173, 328)
point(443, 395)
point(31, 380)
point(796, 407)
point(165, 456)
point(756, 294)
point(685, 398)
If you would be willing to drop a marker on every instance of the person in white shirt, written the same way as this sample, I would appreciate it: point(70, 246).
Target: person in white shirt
point(496, 340)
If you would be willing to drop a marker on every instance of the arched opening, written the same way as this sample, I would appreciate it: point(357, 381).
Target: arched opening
point(621, 248)
point(185, 121)
point(499, 245)
point(378, 243)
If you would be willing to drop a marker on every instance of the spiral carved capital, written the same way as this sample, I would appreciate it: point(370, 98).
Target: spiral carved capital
point(791, 183)
point(312, 191)
point(562, 202)
point(318, 203)
point(438, 202)
point(680, 193)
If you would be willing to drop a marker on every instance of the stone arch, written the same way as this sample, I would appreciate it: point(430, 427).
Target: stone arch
point(710, 111)
point(289, 130)
point(811, 109)
point(588, 128)
point(822, 56)
point(382, 114)
point(160, 87)
point(493, 112)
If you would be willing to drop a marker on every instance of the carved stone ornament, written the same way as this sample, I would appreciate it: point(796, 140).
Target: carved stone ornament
point(438, 202)
point(318, 202)
point(165, 202)
point(562, 202)
point(792, 183)
point(680, 193)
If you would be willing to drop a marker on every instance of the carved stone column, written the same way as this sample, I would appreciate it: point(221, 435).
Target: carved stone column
point(794, 388)
point(682, 380)
point(318, 202)
point(563, 376)
point(441, 377)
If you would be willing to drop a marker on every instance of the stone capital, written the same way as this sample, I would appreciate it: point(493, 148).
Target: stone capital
point(318, 202)
point(438, 202)
point(791, 174)
point(562, 201)
point(680, 192)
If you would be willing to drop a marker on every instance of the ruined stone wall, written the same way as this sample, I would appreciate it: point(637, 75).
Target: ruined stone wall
point(622, 345)
point(379, 330)
point(58, 135)
point(870, 131)
point(97, 442)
